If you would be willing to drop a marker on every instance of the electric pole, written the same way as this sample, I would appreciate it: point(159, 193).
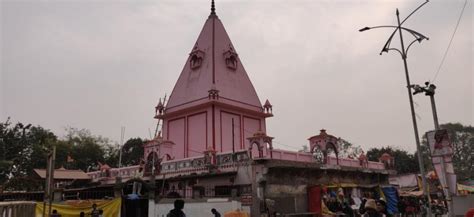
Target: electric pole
point(429, 90)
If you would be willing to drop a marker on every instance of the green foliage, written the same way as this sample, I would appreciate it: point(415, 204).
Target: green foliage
point(25, 148)
point(87, 150)
point(404, 161)
point(111, 155)
point(39, 141)
point(462, 138)
point(347, 149)
point(132, 151)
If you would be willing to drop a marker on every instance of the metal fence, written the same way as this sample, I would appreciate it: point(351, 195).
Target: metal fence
point(66, 195)
point(204, 192)
point(21, 196)
point(17, 209)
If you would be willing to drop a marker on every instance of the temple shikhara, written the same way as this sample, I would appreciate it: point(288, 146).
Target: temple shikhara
point(213, 145)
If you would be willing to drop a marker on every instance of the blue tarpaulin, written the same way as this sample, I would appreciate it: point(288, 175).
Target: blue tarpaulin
point(391, 196)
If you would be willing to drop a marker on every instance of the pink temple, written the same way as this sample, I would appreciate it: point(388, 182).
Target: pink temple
point(214, 115)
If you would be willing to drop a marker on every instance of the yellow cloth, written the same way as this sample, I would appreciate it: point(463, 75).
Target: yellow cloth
point(236, 213)
point(111, 208)
point(420, 183)
point(382, 195)
point(466, 188)
point(325, 210)
point(342, 185)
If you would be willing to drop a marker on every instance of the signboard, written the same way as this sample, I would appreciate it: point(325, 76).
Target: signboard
point(441, 151)
point(439, 143)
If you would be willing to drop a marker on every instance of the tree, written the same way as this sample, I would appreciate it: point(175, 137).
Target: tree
point(404, 161)
point(132, 151)
point(87, 149)
point(346, 149)
point(23, 149)
point(40, 141)
point(111, 155)
point(462, 139)
point(349, 150)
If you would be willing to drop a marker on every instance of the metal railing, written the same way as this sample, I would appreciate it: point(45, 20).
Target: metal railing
point(17, 209)
point(21, 196)
point(205, 192)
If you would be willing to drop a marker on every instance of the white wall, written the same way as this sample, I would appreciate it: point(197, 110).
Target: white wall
point(197, 209)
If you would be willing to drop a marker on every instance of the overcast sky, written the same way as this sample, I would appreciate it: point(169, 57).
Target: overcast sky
point(103, 64)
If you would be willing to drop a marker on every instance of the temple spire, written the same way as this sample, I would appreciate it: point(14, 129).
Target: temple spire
point(213, 64)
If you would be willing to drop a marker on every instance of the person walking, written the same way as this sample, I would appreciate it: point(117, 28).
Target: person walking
point(178, 209)
point(216, 214)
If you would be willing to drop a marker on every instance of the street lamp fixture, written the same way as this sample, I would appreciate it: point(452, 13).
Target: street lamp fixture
point(418, 37)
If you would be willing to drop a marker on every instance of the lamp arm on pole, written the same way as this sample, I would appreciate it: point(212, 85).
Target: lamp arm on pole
point(418, 37)
point(406, 51)
point(386, 47)
point(399, 51)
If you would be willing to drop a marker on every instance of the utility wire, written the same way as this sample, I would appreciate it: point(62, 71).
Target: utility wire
point(450, 42)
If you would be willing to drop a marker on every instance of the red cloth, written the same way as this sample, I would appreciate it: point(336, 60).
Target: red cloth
point(470, 213)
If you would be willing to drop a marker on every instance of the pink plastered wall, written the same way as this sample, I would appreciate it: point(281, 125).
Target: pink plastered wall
point(193, 133)
point(176, 133)
point(245, 126)
point(226, 131)
point(197, 128)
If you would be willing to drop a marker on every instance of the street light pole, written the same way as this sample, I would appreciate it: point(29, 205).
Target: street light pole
point(413, 117)
point(403, 52)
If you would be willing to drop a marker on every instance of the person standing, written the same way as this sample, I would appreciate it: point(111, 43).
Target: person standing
point(55, 213)
point(178, 209)
point(95, 211)
point(216, 214)
point(137, 185)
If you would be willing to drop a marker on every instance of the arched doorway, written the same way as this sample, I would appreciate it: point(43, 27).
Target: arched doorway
point(255, 150)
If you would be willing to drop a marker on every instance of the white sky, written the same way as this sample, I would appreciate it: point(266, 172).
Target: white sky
point(103, 64)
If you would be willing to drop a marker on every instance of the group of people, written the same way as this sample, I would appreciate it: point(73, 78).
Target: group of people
point(337, 203)
point(178, 210)
point(373, 208)
point(411, 206)
point(93, 213)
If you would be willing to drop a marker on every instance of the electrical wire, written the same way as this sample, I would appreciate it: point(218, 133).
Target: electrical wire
point(450, 42)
